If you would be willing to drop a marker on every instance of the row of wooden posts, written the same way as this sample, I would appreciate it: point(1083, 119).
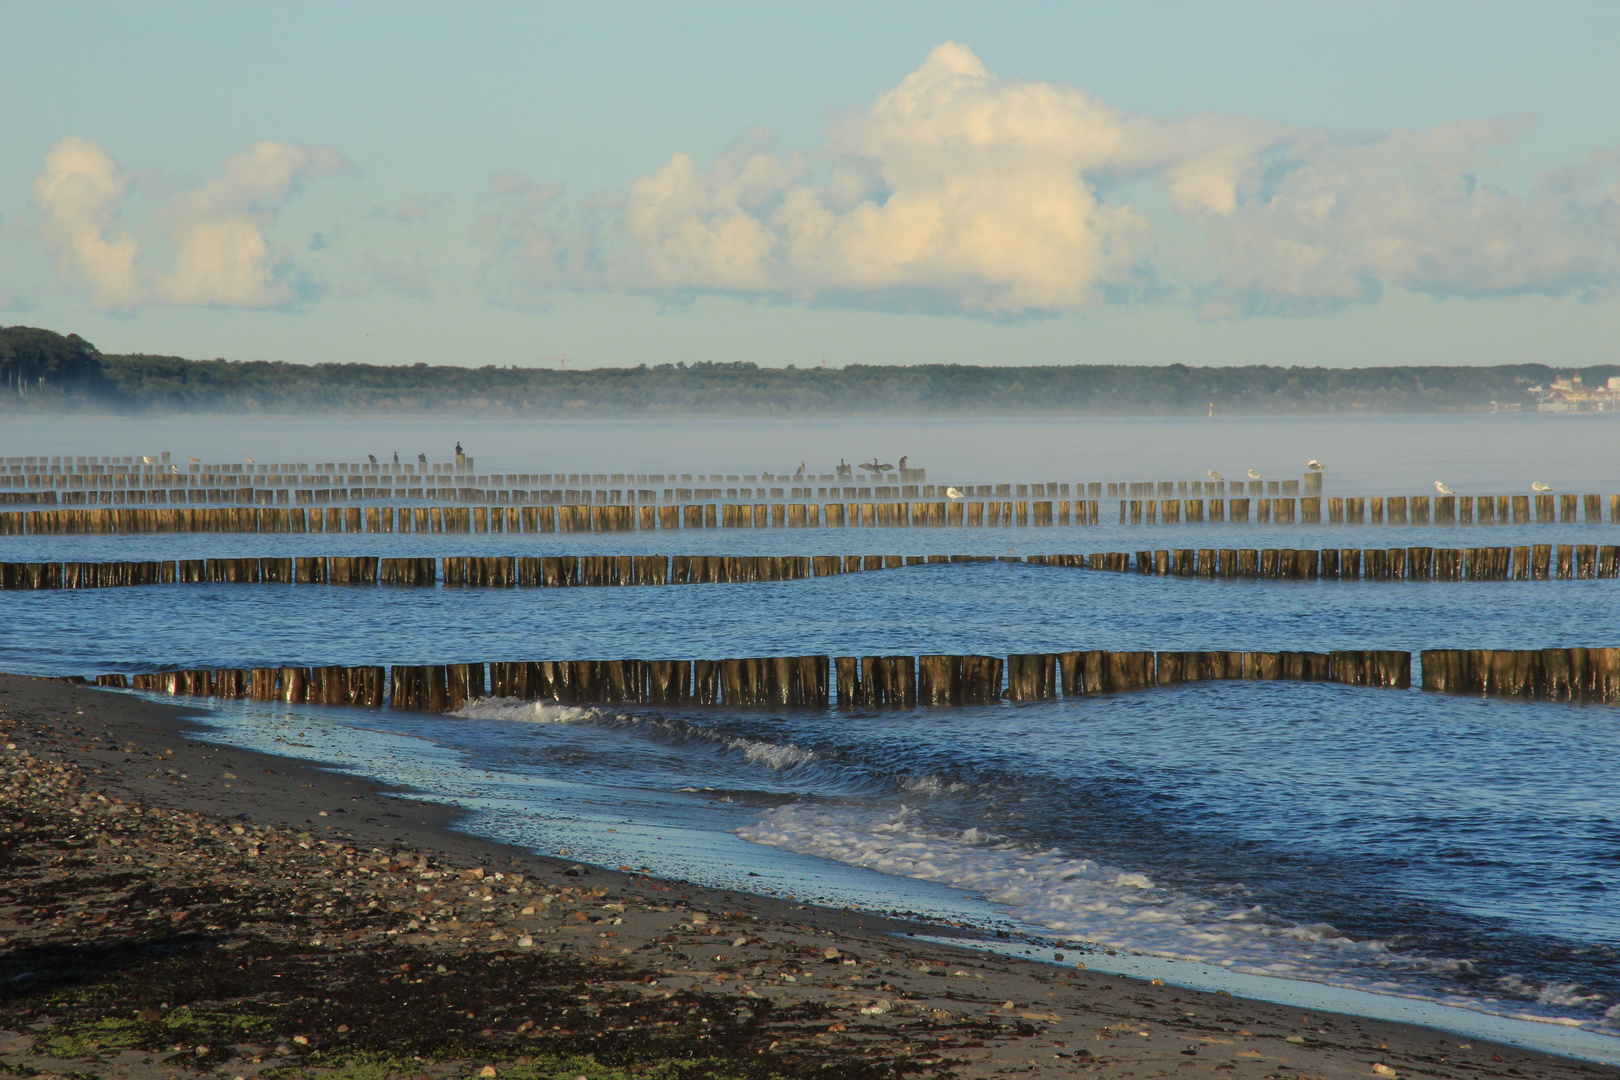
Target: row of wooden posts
point(1416, 510)
point(1578, 674)
point(1527, 563)
point(774, 680)
point(1561, 674)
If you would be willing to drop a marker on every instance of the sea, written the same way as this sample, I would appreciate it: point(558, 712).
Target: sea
point(1446, 860)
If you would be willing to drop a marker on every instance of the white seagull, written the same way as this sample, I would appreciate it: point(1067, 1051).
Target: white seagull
point(952, 494)
point(1314, 465)
point(1213, 475)
point(1253, 475)
point(1537, 485)
point(149, 460)
point(1442, 489)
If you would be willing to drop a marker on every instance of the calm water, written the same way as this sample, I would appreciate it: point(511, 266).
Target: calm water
point(1457, 850)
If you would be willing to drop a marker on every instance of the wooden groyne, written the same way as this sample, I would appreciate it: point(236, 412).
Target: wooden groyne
point(1562, 674)
point(777, 497)
point(1525, 563)
point(1557, 674)
point(969, 512)
point(775, 681)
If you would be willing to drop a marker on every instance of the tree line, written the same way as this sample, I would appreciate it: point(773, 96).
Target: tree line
point(43, 369)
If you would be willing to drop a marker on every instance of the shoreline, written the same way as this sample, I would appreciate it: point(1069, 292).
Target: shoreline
point(878, 997)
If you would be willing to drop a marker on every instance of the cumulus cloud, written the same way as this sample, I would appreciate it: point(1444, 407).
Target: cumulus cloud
point(82, 191)
point(1333, 222)
point(222, 256)
point(961, 190)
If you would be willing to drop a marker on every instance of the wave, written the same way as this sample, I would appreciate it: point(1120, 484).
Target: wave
point(1080, 898)
point(778, 756)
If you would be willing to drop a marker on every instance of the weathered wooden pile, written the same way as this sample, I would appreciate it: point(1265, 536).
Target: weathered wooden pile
point(776, 681)
point(990, 513)
point(313, 685)
point(1537, 562)
point(1559, 674)
point(1525, 563)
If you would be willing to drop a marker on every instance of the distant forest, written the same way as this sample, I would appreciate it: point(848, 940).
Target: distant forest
point(41, 369)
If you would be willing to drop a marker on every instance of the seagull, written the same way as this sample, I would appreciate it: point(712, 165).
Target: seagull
point(1537, 485)
point(193, 460)
point(373, 458)
point(1253, 475)
point(148, 460)
point(1213, 475)
point(1442, 489)
point(250, 461)
point(952, 494)
point(1314, 465)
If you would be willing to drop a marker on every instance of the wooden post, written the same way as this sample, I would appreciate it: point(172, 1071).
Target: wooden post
point(939, 680)
point(981, 679)
point(1031, 676)
point(850, 693)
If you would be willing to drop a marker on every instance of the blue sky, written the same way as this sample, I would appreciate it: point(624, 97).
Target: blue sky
point(623, 183)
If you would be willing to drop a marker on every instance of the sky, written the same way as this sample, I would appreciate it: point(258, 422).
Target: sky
point(618, 183)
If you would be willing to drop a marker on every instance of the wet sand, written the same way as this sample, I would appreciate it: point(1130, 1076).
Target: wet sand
point(174, 908)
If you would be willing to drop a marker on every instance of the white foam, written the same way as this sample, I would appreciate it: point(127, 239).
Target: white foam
point(776, 756)
point(771, 755)
point(1082, 899)
point(530, 712)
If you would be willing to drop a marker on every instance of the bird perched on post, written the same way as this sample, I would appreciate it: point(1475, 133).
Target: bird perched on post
point(1314, 465)
point(1253, 475)
point(421, 459)
point(1442, 489)
point(1213, 475)
point(952, 494)
point(1537, 485)
point(373, 458)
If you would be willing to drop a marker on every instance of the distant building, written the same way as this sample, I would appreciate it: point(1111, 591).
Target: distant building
point(1567, 394)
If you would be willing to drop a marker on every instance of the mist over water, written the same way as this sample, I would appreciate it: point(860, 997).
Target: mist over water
point(1365, 455)
point(1453, 849)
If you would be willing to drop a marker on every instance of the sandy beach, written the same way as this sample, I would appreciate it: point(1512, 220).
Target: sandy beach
point(173, 908)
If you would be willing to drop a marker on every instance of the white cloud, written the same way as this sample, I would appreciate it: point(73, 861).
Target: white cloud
point(1336, 221)
point(82, 191)
point(223, 257)
point(961, 190)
